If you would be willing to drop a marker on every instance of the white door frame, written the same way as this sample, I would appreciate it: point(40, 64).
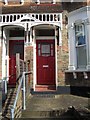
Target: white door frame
point(34, 58)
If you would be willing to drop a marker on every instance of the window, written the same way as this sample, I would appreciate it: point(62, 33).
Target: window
point(45, 32)
point(16, 33)
point(46, 49)
point(80, 34)
point(80, 45)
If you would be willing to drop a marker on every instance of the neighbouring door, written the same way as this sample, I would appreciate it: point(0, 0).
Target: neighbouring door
point(45, 66)
point(15, 46)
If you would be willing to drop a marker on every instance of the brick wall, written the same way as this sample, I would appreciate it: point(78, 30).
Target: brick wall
point(29, 57)
point(70, 6)
point(0, 63)
point(62, 54)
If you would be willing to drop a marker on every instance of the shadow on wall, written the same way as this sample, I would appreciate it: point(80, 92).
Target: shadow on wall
point(80, 91)
point(80, 85)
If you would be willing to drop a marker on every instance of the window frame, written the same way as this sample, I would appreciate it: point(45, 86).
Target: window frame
point(80, 32)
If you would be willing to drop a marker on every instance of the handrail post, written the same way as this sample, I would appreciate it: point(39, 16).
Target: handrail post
point(5, 86)
point(12, 113)
point(24, 91)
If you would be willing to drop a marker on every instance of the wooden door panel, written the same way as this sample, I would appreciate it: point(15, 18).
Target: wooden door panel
point(45, 62)
point(15, 46)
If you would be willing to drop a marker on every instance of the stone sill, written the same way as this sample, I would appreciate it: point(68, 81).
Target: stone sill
point(77, 71)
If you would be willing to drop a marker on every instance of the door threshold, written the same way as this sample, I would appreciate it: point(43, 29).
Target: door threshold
point(41, 88)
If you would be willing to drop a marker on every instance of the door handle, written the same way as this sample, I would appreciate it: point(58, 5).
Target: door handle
point(45, 66)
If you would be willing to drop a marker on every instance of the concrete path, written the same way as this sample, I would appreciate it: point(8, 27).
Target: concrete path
point(44, 106)
point(51, 102)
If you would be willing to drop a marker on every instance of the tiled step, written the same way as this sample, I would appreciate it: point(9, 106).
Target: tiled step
point(45, 88)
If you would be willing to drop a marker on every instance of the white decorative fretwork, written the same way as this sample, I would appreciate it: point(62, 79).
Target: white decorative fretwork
point(33, 18)
point(29, 20)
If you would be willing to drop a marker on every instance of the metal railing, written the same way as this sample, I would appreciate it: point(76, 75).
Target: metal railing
point(4, 85)
point(21, 86)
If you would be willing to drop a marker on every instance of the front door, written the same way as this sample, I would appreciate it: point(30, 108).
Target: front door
point(45, 62)
point(15, 46)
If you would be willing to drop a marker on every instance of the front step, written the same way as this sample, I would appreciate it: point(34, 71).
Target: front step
point(62, 114)
point(47, 114)
point(45, 88)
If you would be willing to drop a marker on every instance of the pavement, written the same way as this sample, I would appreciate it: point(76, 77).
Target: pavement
point(51, 102)
point(0, 100)
point(48, 106)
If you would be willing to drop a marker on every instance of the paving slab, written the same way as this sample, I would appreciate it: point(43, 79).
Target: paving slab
point(55, 102)
point(62, 107)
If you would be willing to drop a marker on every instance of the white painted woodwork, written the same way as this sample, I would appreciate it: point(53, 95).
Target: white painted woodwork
point(78, 16)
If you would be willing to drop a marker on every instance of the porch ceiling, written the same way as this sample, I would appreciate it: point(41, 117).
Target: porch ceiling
point(33, 8)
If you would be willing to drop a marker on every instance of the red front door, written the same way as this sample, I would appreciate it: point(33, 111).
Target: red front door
point(45, 62)
point(15, 46)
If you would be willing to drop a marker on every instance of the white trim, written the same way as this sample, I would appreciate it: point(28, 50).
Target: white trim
point(22, 2)
point(44, 37)
point(54, 1)
point(0, 36)
point(16, 38)
point(38, 1)
point(3, 55)
point(12, 19)
point(6, 2)
point(56, 66)
point(34, 59)
point(60, 37)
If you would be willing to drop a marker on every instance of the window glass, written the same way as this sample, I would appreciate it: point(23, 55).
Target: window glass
point(16, 33)
point(45, 32)
point(80, 46)
point(81, 57)
point(80, 34)
point(45, 49)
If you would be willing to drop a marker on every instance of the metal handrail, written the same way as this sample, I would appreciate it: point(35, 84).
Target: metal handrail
point(23, 86)
point(4, 81)
point(22, 82)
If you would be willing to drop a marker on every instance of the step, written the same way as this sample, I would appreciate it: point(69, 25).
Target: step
point(55, 114)
point(45, 88)
point(44, 114)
